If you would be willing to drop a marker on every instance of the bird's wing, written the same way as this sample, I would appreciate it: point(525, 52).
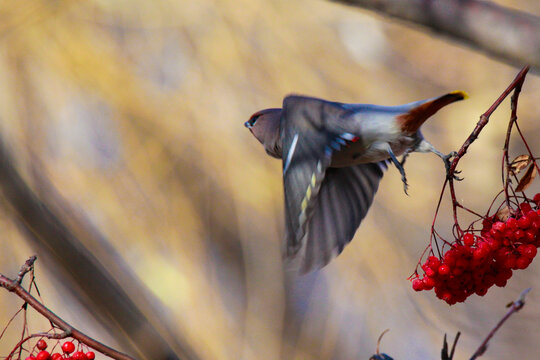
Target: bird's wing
point(323, 207)
point(342, 203)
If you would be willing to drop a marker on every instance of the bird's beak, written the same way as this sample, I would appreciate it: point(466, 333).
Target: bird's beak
point(247, 124)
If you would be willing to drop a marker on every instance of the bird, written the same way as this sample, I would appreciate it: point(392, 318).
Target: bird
point(334, 155)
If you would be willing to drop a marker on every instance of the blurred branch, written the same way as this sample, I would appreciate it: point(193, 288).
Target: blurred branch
point(508, 35)
point(51, 224)
point(14, 285)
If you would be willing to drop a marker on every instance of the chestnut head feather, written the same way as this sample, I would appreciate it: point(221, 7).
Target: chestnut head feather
point(264, 125)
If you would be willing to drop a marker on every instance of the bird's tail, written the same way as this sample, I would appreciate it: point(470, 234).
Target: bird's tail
point(420, 111)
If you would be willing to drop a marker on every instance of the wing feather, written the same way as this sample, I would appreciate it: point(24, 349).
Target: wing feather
point(323, 206)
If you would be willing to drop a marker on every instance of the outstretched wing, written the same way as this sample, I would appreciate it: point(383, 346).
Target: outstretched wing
point(311, 131)
point(343, 201)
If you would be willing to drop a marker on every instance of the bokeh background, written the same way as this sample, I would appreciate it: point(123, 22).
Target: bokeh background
point(125, 120)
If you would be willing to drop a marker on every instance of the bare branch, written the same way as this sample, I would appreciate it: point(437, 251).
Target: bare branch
point(514, 307)
point(508, 35)
point(69, 331)
point(28, 266)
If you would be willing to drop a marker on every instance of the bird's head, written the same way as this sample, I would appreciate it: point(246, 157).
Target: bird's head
point(264, 125)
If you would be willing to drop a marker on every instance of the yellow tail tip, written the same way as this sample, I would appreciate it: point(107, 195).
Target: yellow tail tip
point(463, 94)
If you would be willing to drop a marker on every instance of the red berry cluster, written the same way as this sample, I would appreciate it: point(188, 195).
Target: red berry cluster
point(473, 264)
point(68, 349)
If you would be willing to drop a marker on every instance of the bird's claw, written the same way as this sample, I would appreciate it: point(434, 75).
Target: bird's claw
point(448, 163)
point(405, 185)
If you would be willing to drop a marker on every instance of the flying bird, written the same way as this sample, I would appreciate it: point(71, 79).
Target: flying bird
point(333, 158)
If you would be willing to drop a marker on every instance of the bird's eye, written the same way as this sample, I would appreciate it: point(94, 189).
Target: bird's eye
point(252, 120)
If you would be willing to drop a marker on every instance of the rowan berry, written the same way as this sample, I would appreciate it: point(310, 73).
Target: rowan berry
point(78, 355)
point(418, 285)
point(499, 226)
point(444, 269)
point(523, 262)
point(433, 262)
point(524, 222)
point(525, 207)
point(43, 355)
point(41, 344)
point(90, 355)
point(468, 239)
point(68, 347)
point(512, 223)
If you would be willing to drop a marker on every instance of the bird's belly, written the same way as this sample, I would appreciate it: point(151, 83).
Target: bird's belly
point(357, 153)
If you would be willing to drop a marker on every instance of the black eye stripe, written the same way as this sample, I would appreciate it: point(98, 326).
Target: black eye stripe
point(253, 119)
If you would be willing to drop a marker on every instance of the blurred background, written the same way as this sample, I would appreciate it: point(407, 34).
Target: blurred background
point(157, 218)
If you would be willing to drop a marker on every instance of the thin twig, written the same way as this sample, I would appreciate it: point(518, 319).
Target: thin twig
point(28, 266)
point(484, 119)
point(515, 307)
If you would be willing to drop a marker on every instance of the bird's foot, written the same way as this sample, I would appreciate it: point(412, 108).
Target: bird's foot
point(405, 185)
point(405, 155)
point(448, 163)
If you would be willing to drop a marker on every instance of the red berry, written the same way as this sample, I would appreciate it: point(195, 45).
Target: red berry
point(79, 355)
point(533, 215)
point(450, 257)
point(512, 224)
point(530, 235)
point(41, 344)
point(499, 226)
point(449, 298)
point(429, 283)
point(434, 262)
point(493, 243)
point(528, 250)
point(524, 222)
point(417, 285)
point(518, 234)
point(480, 254)
point(489, 280)
point(43, 355)
point(468, 239)
point(481, 291)
point(510, 262)
point(500, 282)
point(68, 347)
point(536, 199)
point(525, 207)
point(430, 272)
point(523, 262)
point(90, 355)
point(56, 356)
point(30, 358)
point(462, 263)
point(444, 269)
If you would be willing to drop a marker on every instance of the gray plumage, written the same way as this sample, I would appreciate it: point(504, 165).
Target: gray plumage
point(333, 159)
